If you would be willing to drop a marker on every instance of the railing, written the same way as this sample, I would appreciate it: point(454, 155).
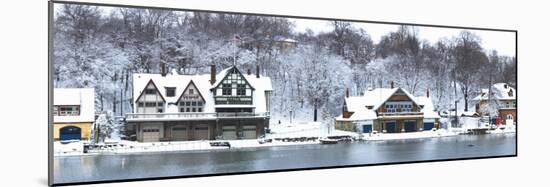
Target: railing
point(399, 113)
point(196, 115)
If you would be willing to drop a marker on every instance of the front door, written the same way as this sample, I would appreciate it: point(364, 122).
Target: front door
point(249, 132)
point(410, 126)
point(390, 127)
point(229, 132)
point(179, 133)
point(70, 133)
point(367, 128)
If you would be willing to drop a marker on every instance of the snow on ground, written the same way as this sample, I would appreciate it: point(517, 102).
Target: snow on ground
point(503, 129)
point(295, 130)
point(68, 148)
point(408, 135)
point(305, 129)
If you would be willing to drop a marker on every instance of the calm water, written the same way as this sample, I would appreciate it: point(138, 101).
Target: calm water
point(113, 167)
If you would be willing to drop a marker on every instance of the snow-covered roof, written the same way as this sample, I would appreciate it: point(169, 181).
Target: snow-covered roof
point(428, 109)
point(202, 83)
point(83, 97)
point(379, 96)
point(375, 98)
point(500, 91)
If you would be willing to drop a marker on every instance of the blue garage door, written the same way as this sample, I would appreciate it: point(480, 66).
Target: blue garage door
point(367, 128)
point(390, 127)
point(428, 126)
point(410, 126)
point(70, 133)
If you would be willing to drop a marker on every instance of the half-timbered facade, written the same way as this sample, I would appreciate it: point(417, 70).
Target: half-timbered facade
point(387, 110)
point(224, 105)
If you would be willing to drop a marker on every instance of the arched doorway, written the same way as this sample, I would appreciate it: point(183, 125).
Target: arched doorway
point(70, 133)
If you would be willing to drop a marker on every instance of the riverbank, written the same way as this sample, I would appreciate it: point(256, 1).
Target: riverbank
point(281, 135)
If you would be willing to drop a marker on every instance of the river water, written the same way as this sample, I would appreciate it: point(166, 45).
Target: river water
point(69, 169)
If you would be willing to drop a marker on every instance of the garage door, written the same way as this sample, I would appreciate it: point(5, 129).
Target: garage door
point(410, 126)
point(151, 135)
point(249, 132)
point(179, 134)
point(367, 128)
point(70, 133)
point(229, 132)
point(201, 133)
point(390, 127)
point(428, 126)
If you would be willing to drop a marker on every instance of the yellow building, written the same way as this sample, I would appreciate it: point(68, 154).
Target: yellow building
point(73, 113)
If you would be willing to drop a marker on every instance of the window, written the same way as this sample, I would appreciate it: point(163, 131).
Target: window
point(191, 91)
point(140, 104)
point(160, 104)
point(511, 93)
point(150, 91)
point(241, 89)
point(187, 103)
point(194, 110)
point(193, 103)
point(159, 110)
point(514, 103)
point(69, 110)
point(56, 111)
point(510, 117)
point(182, 109)
point(199, 103)
point(187, 110)
point(170, 91)
point(200, 109)
point(226, 89)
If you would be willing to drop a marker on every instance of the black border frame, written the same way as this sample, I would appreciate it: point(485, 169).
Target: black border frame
point(50, 93)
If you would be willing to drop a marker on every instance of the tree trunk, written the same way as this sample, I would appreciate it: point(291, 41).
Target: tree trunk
point(315, 111)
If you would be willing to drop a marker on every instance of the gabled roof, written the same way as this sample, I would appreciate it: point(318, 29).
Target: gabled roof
point(83, 97)
point(144, 88)
point(223, 75)
point(428, 109)
point(500, 91)
point(187, 87)
point(379, 96)
point(202, 83)
point(376, 98)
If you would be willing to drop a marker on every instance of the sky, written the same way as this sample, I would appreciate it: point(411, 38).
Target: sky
point(502, 42)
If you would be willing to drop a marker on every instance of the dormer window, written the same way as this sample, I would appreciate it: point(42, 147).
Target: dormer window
point(191, 91)
point(370, 107)
point(170, 91)
point(505, 86)
point(511, 93)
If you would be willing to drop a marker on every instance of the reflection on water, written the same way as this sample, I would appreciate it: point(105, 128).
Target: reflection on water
point(113, 167)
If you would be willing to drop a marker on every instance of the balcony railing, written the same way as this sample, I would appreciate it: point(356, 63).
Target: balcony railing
point(400, 113)
point(194, 115)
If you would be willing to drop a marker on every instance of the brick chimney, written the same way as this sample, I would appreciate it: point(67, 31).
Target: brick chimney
point(212, 74)
point(163, 69)
point(257, 71)
point(347, 92)
point(391, 84)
